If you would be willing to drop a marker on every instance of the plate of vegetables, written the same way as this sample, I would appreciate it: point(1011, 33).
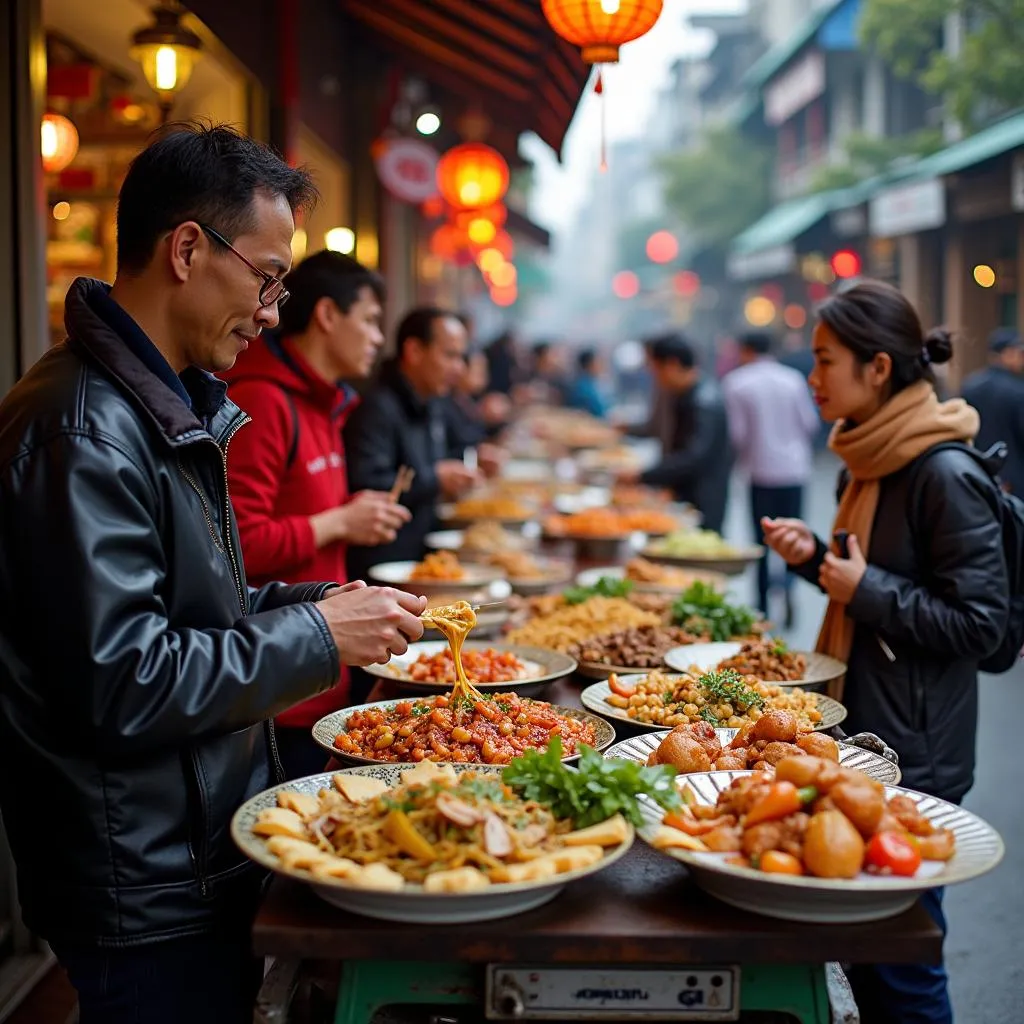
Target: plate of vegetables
point(705, 611)
point(818, 841)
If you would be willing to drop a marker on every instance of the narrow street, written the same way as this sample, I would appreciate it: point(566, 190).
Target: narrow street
point(985, 966)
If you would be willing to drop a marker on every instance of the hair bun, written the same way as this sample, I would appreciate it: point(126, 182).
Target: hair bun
point(938, 343)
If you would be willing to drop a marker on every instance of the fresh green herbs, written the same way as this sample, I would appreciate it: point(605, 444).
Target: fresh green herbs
point(595, 791)
point(728, 687)
point(606, 586)
point(779, 647)
point(707, 714)
point(703, 610)
point(421, 709)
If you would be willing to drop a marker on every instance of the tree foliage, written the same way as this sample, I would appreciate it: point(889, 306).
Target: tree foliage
point(909, 35)
point(718, 188)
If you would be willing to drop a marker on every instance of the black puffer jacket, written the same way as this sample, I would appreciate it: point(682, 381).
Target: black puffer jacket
point(136, 668)
point(936, 593)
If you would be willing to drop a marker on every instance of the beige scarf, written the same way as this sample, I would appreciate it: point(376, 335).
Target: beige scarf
point(910, 423)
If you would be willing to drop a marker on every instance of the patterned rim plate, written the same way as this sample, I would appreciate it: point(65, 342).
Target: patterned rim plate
point(544, 666)
point(593, 698)
point(397, 574)
point(979, 849)
point(331, 725)
point(821, 668)
point(639, 748)
point(412, 904)
point(589, 577)
point(730, 565)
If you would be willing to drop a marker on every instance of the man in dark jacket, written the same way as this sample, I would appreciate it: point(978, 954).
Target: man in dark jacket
point(697, 464)
point(997, 392)
point(403, 421)
point(137, 669)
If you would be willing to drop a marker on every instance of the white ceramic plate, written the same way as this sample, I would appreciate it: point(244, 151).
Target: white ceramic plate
point(587, 497)
point(639, 748)
point(397, 574)
point(825, 900)
point(821, 669)
point(589, 577)
point(729, 564)
point(593, 698)
point(542, 667)
point(330, 726)
point(453, 540)
point(412, 904)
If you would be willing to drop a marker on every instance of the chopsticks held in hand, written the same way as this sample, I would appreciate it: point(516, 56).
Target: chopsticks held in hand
point(403, 481)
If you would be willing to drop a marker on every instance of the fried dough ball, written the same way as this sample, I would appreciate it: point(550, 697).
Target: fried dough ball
point(817, 744)
point(776, 725)
point(775, 751)
point(683, 751)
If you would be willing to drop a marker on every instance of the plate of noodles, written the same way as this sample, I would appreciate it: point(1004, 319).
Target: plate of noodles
point(430, 844)
point(428, 667)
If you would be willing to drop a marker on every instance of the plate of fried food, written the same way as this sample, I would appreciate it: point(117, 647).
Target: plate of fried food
point(817, 841)
point(439, 571)
point(505, 510)
point(703, 549)
point(439, 843)
point(429, 667)
point(663, 700)
point(650, 577)
point(769, 659)
point(758, 746)
point(484, 537)
point(529, 573)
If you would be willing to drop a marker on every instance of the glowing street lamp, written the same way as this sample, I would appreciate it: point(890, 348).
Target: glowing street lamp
point(167, 52)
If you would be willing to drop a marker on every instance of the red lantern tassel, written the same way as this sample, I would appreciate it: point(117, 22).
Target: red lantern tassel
point(599, 90)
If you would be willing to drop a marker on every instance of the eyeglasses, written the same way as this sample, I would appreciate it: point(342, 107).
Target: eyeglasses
point(272, 290)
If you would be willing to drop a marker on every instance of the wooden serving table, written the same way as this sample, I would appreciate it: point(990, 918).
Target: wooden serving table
point(641, 912)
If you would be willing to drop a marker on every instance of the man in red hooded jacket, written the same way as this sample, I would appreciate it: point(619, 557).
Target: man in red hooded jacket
point(287, 468)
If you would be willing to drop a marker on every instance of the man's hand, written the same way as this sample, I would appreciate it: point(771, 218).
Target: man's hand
point(370, 624)
point(454, 478)
point(368, 519)
point(792, 539)
point(491, 458)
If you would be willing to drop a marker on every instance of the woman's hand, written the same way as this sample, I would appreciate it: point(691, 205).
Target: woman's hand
point(840, 577)
point(791, 539)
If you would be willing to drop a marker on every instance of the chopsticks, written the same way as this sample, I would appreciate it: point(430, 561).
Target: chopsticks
point(403, 481)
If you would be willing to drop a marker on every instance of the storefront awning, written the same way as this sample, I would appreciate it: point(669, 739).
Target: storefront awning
point(783, 223)
point(501, 54)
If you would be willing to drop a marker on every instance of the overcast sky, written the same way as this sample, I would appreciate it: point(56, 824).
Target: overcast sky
point(630, 89)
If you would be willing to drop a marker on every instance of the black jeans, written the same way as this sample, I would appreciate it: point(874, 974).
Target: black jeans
point(206, 979)
point(773, 502)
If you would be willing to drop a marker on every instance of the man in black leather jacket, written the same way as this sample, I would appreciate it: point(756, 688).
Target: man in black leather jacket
point(138, 672)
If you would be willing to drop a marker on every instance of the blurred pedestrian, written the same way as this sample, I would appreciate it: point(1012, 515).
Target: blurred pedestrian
point(772, 424)
point(698, 460)
point(548, 384)
point(923, 595)
point(997, 392)
point(287, 468)
point(586, 392)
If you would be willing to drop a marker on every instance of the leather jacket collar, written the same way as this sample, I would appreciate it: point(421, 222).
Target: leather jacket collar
point(174, 422)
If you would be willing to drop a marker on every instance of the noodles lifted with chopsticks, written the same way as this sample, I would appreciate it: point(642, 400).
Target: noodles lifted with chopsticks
point(454, 622)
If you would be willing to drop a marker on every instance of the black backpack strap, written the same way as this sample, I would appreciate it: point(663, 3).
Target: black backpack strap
point(293, 448)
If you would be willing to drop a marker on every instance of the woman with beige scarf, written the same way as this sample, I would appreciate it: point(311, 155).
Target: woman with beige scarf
point(923, 595)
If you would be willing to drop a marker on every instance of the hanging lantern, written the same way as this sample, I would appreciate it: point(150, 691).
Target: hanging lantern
point(501, 243)
point(58, 142)
point(600, 27)
point(504, 296)
point(472, 175)
point(448, 242)
point(167, 52)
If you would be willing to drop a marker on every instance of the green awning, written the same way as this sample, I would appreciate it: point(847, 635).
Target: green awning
point(783, 223)
point(993, 141)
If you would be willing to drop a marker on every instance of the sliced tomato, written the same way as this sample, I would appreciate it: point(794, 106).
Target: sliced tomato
point(893, 852)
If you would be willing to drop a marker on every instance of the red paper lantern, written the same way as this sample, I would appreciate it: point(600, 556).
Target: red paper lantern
point(504, 296)
point(600, 27)
point(502, 241)
point(447, 241)
point(472, 176)
point(846, 263)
